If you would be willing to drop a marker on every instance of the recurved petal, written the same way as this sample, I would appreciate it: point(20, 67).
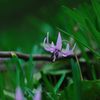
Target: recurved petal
point(68, 53)
point(47, 37)
point(59, 42)
point(44, 42)
point(67, 47)
point(74, 47)
point(52, 45)
point(48, 47)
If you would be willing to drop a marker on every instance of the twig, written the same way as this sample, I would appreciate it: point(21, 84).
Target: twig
point(5, 54)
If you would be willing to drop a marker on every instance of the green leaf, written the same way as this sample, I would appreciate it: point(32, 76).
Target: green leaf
point(49, 87)
point(59, 83)
point(19, 70)
point(90, 91)
point(76, 80)
point(58, 72)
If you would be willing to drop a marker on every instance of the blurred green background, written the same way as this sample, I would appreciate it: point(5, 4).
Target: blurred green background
point(24, 23)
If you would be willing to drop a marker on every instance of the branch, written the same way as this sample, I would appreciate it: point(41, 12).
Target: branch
point(36, 57)
point(6, 55)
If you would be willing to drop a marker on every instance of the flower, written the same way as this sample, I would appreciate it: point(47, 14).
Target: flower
point(19, 94)
point(57, 50)
point(37, 95)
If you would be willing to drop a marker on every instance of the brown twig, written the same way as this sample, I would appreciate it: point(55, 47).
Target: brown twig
point(35, 57)
point(5, 55)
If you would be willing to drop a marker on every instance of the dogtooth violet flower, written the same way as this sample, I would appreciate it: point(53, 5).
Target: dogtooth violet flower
point(37, 95)
point(57, 50)
point(19, 94)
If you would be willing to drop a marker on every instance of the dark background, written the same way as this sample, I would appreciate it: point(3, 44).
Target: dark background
point(24, 23)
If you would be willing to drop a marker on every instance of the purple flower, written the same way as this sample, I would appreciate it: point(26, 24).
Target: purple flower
point(19, 94)
point(57, 50)
point(37, 95)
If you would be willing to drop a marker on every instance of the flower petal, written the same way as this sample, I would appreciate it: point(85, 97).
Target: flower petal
point(65, 54)
point(59, 42)
point(19, 94)
point(52, 45)
point(47, 37)
point(37, 95)
point(44, 42)
point(74, 47)
point(67, 47)
point(60, 54)
point(48, 47)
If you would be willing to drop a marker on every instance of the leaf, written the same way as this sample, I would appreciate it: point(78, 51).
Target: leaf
point(90, 91)
point(59, 83)
point(76, 80)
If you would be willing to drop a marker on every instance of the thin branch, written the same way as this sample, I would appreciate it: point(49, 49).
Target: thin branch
point(4, 56)
point(36, 57)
